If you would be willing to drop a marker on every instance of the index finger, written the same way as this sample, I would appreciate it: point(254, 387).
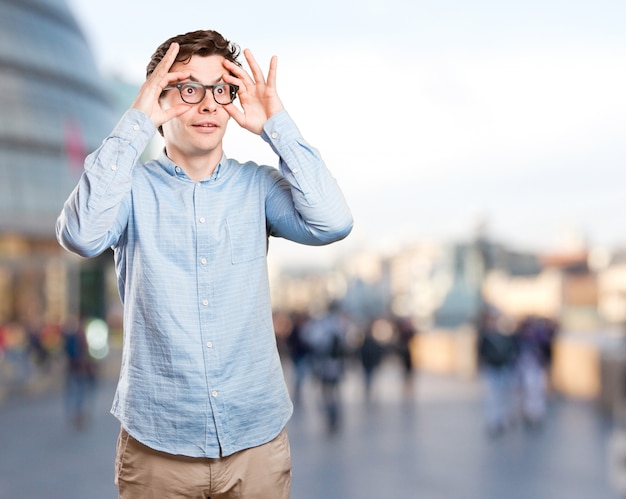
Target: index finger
point(165, 64)
point(236, 70)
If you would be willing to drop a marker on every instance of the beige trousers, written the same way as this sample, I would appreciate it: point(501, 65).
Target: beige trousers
point(262, 472)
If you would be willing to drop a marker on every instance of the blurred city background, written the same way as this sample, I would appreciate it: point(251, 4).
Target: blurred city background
point(489, 183)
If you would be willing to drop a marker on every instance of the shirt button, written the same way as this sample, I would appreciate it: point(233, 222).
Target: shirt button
point(178, 168)
point(209, 344)
point(274, 135)
point(135, 127)
point(114, 167)
point(295, 170)
point(205, 302)
point(203, 261)
point(202, 219)
point(214, 393)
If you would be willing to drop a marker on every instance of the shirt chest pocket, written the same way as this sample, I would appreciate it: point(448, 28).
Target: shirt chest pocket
point(248, 239)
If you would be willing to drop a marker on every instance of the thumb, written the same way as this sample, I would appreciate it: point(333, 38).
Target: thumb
point(171, 113)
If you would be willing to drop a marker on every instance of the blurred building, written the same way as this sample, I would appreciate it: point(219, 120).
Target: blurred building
point(55, 108)
point(441, 288)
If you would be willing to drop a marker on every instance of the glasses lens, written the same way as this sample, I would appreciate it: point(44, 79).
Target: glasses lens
point(192, 92)
point(224, 93)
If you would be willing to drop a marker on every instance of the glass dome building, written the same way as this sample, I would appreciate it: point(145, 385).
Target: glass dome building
point(55, 108)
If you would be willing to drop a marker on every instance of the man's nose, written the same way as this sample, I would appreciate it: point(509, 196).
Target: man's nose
point(208, 103)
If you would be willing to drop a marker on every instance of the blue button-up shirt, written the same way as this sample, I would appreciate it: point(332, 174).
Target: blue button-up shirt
point(200, 373)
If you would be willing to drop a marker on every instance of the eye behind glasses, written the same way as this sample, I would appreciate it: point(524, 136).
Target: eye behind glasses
point(193, 92)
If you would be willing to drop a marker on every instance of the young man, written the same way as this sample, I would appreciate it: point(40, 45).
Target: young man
point(201, 397)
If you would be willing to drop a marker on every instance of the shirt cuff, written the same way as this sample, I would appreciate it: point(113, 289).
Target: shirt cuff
point(280, 129)
point(136, 128)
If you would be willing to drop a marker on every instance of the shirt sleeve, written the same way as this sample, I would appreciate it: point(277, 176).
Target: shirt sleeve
point(95, 214)
point(306, 205)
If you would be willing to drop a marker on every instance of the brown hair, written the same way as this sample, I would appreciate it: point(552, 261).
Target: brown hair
point(202, 42)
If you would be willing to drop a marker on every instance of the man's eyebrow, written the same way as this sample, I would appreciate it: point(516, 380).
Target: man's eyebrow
point(218, 80)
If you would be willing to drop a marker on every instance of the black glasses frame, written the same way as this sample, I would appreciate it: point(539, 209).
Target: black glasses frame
point(179, 86)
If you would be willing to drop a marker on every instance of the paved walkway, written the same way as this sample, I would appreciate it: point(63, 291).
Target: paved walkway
point(431, 447)
point(434, 447)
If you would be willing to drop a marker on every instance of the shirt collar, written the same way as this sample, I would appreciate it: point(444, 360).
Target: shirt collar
point(176, 171)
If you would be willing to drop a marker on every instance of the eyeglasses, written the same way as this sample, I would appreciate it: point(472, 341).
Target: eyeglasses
point(193, 92)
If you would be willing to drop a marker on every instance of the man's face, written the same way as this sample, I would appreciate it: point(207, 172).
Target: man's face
point(199, 131)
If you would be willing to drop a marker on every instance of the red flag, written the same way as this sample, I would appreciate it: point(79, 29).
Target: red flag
point(74, 146)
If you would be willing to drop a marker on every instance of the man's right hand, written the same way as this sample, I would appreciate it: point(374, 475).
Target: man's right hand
point(147, 100)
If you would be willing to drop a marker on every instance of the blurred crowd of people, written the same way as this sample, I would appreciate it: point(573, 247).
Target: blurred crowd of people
point(514, 359)
point(28, 347)
point(322, 347)
point(49, 353)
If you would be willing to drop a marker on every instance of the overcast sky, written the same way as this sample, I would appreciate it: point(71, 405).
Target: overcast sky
point(432, 115)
